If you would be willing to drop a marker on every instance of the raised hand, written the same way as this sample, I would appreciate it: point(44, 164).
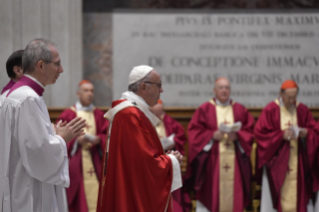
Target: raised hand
point(71, 130)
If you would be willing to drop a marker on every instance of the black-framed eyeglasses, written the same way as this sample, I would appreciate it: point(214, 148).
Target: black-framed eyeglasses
point(57, 64)
point(159, 84)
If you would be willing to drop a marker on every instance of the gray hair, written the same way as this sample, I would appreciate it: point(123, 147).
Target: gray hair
point(136, 86)
point(38, 49)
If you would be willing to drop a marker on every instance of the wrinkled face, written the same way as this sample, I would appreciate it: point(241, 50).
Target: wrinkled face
point(152, 88)
point(289, 97)
point(158, 110)
point(53, 69)
point(222, 90)
point(86, 94)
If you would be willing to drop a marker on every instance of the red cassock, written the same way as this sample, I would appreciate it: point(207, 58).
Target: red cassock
point(76, 193)
point(273, 152)
point(138, 175)
point(173, 127)
point(203, 167)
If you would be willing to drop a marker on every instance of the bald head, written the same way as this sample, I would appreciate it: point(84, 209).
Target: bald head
point(86, 93)
point(222, 89)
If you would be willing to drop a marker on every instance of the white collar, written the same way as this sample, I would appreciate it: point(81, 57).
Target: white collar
point(142, 105)
point(223, 104)
point(35, 80)
point(80, 107)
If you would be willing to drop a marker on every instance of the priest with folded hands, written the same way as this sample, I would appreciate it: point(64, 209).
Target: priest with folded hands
point(287, 145)
point(220, 141)
point(85, 151)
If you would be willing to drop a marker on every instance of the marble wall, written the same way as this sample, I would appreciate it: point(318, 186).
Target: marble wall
point(97, 55)
point(60, 21)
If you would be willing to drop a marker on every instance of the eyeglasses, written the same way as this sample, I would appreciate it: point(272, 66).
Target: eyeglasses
point(57, 64)
point(159, 84)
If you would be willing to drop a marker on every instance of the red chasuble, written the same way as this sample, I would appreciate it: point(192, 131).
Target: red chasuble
point(138, 175)
point(203, 167)
point(172, 126)
point(76, 192)
point(273, 152)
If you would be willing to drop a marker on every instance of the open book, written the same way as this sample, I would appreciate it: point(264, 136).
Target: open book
point(230, 128)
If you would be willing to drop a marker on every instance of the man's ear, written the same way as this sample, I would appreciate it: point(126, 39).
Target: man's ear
point(40, 64)
point(18, 71)
point(143, 86)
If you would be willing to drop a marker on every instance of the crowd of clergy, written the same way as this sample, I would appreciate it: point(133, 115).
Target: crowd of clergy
point(129, 159)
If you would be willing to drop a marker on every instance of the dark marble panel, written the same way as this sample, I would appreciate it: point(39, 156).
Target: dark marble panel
point(97, 55)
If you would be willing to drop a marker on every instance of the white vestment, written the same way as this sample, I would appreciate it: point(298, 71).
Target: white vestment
point(2, 97)
point(33, 160)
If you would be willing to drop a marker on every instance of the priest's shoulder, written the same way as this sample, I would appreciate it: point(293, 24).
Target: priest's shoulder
point(205, 106)
point(69, 112)
point(302, 106)
point(238, 105)
point(98, 112)
point(270, 107)
point(169, 119)
point(23, 93)
point(131, 111)
point(127, 112)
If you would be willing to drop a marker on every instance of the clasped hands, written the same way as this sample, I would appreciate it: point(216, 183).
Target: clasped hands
point(219, 135)
point(70, 130)
point(87, 143)
point(177, 154)
point(290, 134)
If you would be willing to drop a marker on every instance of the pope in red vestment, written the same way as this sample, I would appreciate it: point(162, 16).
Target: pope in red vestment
point(137, 175)
point(278, 143)
point(205, 146)
point(172, 136)
point(78, 193)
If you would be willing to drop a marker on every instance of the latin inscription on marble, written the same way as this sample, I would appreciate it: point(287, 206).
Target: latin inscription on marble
point(256, 51)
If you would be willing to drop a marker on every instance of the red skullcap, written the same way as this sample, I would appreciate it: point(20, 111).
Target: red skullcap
point(84, 82)
point(289, 84)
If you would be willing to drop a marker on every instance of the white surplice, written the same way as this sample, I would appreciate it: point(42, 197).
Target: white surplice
point(2, 97)
point(34, 165)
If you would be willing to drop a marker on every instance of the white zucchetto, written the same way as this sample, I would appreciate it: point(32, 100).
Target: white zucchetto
point(138, 73)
